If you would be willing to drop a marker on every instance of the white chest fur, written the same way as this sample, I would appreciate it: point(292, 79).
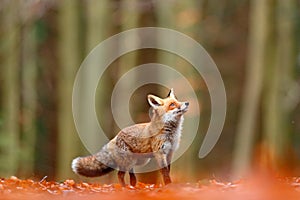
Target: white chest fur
point(177, 135)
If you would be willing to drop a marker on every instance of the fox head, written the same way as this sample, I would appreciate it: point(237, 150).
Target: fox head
point(168, 109)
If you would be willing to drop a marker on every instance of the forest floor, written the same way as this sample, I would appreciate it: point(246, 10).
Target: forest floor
point(253, 188)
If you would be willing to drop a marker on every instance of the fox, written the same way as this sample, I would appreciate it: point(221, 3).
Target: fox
point(137, 144)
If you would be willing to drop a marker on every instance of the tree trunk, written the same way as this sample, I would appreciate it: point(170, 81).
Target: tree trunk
point(98, 29)
point(69, 58)
point(247, 126)
point(278, 79)
point(29, 99)
point(9, 142)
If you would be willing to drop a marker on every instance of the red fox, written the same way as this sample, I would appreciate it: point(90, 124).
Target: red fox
point(137, 144)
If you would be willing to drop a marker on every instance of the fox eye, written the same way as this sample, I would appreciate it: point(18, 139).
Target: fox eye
point(172, 105)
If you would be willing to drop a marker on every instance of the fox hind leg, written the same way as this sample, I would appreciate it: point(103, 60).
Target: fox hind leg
point(121, 175)
point(132, 177)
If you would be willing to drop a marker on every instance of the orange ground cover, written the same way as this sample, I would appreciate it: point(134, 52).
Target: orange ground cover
point(253, 188)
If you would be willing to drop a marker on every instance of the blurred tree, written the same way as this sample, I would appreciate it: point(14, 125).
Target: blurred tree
point(98, 28)
point(247, 126)
point(165, 13)
point(29, 95)
point(11, 37)
point(97, 22)
point(269, 75)
point(281, 60)
point(69, 58)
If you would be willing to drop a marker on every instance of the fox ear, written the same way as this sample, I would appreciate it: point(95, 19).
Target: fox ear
point(171, 93)
point(154, 101)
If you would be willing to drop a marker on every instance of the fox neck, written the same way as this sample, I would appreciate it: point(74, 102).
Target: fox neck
point(157, 124)
point(173, 128)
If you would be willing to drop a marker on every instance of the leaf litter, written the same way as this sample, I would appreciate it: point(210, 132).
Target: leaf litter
point(253, 188)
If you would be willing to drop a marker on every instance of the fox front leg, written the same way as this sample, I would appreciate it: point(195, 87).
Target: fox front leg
point(169, 159)
point(166, 175)
point(164, 169)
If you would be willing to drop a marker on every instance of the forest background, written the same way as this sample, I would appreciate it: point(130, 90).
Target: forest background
point(254, 43)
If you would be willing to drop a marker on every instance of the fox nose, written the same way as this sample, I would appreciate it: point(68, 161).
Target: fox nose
point(187, 103)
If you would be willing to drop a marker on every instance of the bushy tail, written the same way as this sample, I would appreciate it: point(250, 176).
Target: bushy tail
point(92, 166)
